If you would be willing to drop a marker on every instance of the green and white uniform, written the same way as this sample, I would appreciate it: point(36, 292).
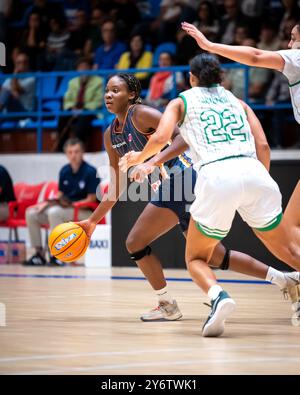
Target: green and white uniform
point(292, 72)
point(230, 178)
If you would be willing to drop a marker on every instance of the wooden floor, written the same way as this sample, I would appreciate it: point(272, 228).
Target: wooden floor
point(81, 321)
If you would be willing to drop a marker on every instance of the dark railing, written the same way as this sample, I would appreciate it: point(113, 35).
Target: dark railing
point(39, 114)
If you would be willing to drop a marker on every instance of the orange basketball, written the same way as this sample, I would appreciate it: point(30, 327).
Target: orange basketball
point(68, 242)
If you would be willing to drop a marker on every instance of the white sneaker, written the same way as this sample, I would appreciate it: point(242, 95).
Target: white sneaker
point(222, 307)
point(292, 290)
point(166, 311)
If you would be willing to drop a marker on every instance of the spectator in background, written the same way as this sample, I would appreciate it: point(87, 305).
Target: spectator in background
point(259, 79)
point(56, 55)
point(268, 39)
point(94, 39)
point(84, 93)
point(126, 15)
point(5, 9)
point(278, 93)
point(18, 94)
point(286, 31)
point(207, 20)
point(79, 34)
point(7, 193)
point(137, 58)
point(161, 88)
point(232, 18)
point(172, 12)
point(108, 54)
point(77, 183)
point(241, 34)
point(34, 39)
point(253, 8)
point(187, 48)
point(291, 11)
point(71, 8)
point(46, 11)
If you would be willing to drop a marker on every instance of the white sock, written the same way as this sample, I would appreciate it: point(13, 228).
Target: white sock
point(163, 295)
point(276, 277)
point(214, 291)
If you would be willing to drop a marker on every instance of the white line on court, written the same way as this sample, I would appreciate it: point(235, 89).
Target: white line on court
point(138, 352)
point(161, 363)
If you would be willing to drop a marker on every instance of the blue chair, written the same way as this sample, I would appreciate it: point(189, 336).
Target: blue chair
point(164, 47)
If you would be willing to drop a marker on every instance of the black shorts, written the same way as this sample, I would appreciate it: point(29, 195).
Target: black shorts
point(177, 194)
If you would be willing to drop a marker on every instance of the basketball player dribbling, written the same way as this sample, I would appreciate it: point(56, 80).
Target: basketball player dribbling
point(230, 178)
point(130, 130)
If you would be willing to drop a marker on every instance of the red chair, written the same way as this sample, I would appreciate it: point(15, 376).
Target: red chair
point(92, 205)
point(26, 196)
point(49, 191)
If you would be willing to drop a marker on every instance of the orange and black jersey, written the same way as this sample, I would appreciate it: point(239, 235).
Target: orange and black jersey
point(132, 139)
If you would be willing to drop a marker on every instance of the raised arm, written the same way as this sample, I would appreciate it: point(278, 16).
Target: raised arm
point(263, 151)
point(242, 54)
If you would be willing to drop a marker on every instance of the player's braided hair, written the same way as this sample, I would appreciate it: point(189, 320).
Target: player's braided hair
point(134, 85)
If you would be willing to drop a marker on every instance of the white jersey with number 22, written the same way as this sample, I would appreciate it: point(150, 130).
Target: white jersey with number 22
point(215, 125)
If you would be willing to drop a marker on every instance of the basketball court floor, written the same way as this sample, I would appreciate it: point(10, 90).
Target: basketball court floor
point(86, 321)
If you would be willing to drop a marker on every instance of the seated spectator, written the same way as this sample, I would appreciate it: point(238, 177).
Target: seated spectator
point(56, 55)
point(291, 11)
point(187, 48)
point(77, 183)
point(126, 14)
point(137, 58)
point(268, 40)
point(18, 94)
point(285, 36)
point(253, 8)
point(171, 14)
point(259, 80)
point(232, 17)
point(108, 54)
point(94, 39)
point(33, 39)
point(7, 193)
point(241, 33)
point(71, 8)
point(161, 88)
point(79, 34)
point(45, 10)
point(84, 93)
point(207, 21)
point(278, 93)
point(5, 10)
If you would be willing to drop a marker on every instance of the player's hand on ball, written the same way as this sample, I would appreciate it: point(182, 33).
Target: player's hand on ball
point(140, 172)
point(87, 226)
point(192, 31)
point(130, 159)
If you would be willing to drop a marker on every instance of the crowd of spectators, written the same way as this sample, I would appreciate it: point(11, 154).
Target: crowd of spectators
point(55, 34)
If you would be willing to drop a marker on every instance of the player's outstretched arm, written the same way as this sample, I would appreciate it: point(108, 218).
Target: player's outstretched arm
point(242, 54)
point(116, 187)
point(263, 151)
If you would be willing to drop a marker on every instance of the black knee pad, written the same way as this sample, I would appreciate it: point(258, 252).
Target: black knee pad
point(136, 256)
point(225, 263)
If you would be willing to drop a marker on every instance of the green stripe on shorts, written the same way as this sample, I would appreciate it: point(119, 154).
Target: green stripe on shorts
point(271, 225)
point(212, 233)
